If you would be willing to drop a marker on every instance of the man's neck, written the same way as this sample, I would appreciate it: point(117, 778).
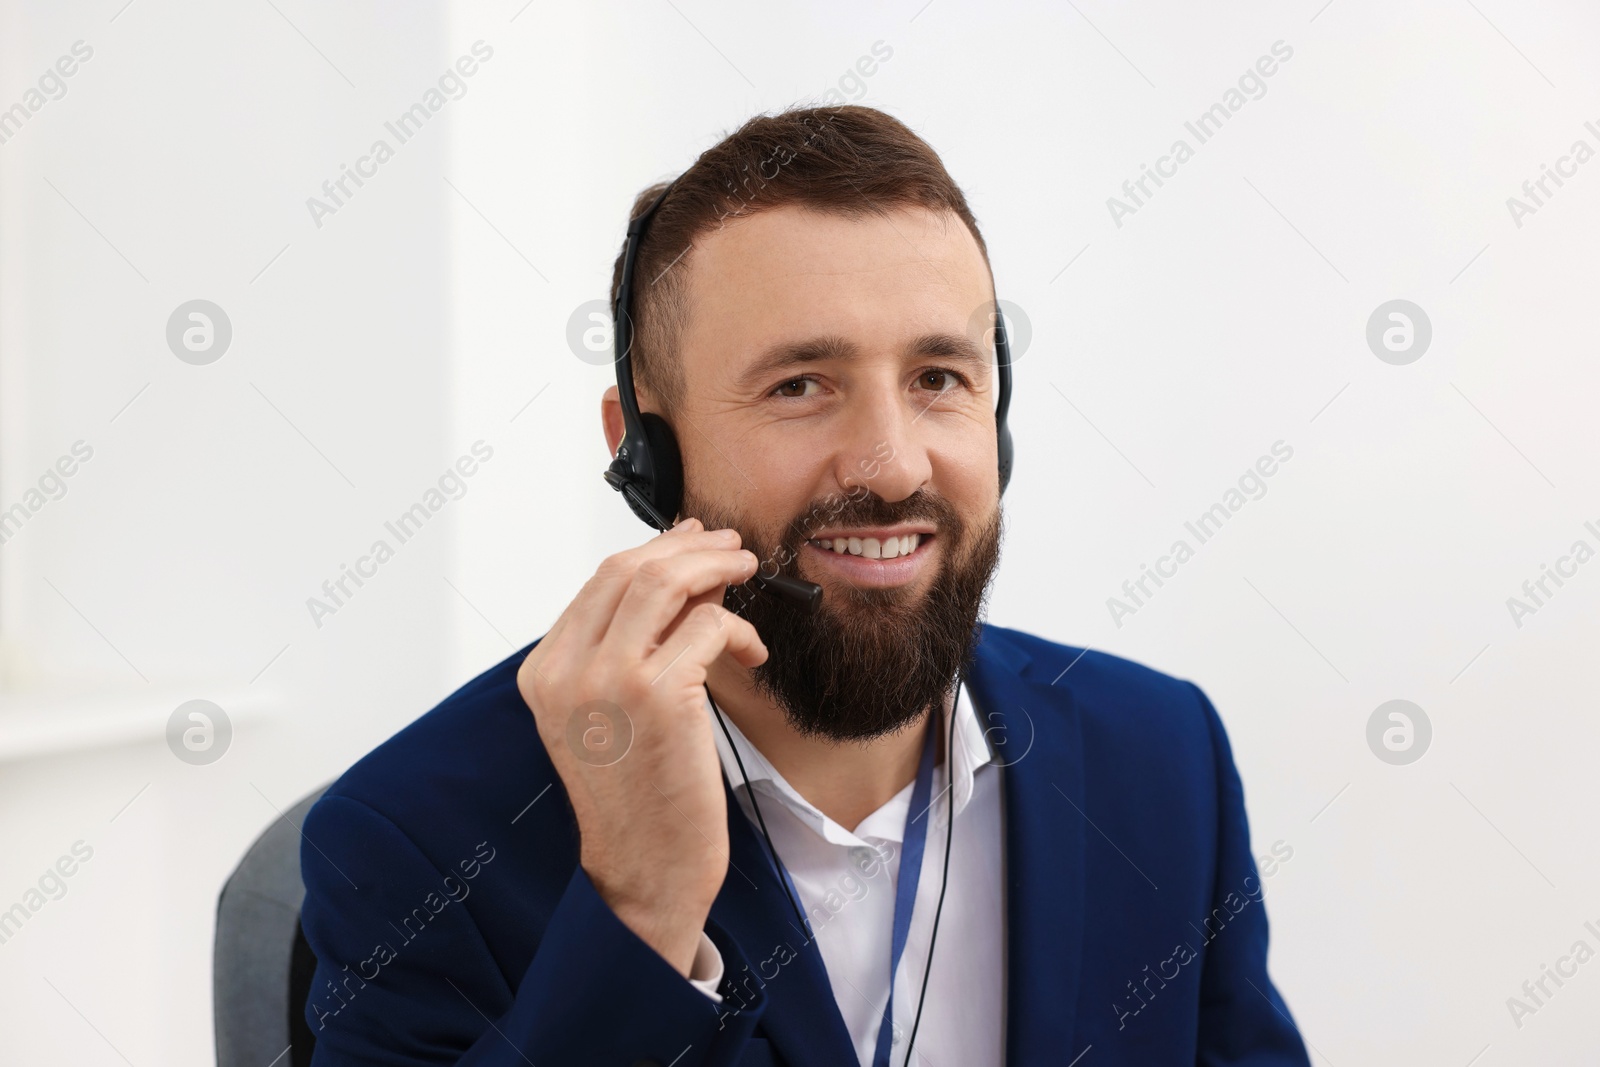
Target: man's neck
point(846, 781)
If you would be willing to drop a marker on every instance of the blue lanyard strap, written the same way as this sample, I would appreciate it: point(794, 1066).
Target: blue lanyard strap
point(905, 894)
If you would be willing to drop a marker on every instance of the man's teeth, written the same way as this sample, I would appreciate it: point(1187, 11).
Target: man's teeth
point(872, 547)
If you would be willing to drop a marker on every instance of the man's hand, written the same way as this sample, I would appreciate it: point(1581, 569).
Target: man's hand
point(616, 688)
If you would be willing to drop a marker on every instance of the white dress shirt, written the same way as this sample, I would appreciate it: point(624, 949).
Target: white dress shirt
point(846, 882)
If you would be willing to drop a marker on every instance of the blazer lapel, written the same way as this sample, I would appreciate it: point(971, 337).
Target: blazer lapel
point(801, 1018)
point(1033, 728)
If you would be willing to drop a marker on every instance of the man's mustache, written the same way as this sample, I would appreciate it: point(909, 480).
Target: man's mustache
point(869, 509)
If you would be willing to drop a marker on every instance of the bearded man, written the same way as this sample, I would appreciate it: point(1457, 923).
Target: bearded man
point(728, 823)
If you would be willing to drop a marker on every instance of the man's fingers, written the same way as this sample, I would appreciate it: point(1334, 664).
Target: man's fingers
point(705, 633)
point(589, 615)
point(710, 596)
point(660, 589)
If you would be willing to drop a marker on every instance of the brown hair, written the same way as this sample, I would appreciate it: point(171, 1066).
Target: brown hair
point(850, 160)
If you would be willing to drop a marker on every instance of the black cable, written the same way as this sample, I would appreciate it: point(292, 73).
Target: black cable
point(944, 881)
point(777, 865)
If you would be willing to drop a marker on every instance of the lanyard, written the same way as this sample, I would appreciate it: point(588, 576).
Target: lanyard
point(905, 894)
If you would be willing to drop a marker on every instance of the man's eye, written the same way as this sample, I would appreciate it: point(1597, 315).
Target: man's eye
point(794, 388)
point(939, 381)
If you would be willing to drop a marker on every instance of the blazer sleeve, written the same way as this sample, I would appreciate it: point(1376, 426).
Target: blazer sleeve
point(1243, 1020)
point(405, 977)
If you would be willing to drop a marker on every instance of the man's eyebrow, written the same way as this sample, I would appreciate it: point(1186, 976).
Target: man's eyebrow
point(949, 346)
point(787, 354)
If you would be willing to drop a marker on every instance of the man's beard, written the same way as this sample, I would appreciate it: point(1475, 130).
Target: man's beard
point(871, 660)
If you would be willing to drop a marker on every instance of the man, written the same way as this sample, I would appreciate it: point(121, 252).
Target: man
point(673, 833)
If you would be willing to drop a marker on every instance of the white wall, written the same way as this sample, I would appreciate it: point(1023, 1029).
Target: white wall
point(1227, 313)
point(218, 497)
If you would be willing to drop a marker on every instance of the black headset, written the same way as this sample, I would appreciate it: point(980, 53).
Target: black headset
point(648, 468)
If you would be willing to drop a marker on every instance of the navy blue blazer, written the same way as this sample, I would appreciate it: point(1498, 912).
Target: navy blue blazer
point(452, 923)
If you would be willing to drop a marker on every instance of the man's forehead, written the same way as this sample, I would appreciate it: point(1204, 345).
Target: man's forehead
point(793, 270)
point(794, 240)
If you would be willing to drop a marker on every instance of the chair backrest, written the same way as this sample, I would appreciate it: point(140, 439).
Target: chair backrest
point(258, 924)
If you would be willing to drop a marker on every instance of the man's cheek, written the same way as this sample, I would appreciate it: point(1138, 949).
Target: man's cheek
point(781, 557)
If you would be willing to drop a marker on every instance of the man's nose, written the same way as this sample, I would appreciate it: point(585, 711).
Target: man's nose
point(883, 447)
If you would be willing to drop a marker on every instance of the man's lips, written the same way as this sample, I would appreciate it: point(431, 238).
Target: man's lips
point(875, 542)
point(856, 565)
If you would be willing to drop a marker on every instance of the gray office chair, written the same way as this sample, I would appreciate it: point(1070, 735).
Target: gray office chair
point(261, 966)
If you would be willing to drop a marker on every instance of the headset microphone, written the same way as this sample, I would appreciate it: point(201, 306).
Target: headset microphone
point(648, 468)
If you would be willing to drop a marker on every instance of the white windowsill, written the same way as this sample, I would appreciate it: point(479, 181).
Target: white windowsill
point(35, 726)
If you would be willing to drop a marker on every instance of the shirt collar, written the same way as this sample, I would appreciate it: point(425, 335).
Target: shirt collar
point(972, 751)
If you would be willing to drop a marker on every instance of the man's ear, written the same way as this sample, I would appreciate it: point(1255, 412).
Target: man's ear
point(611, 418)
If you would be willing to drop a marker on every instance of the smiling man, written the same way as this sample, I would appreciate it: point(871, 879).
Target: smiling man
point(696, 825)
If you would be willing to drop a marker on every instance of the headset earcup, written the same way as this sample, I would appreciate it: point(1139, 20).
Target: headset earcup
point(666, 490)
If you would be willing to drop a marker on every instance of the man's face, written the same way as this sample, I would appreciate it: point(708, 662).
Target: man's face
point(839, 394)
